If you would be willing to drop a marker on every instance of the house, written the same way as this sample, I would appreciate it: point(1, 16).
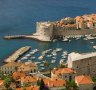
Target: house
point(84, 82)
point(17, 75)
point(29, 88)
point(30, 80)
point(55, 84)
point(28, 67)
point(64, 73)
point(10, 67)
point(84, 63)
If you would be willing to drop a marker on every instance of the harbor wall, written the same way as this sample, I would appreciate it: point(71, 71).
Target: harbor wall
point(73, 32)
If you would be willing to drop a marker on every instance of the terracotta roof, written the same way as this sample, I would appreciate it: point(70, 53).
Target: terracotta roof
point(29, 88)
point(1, 82)
point(63, 71)
point(83, 79)
point(18, 75)
point(54, 82)
point(29, 79)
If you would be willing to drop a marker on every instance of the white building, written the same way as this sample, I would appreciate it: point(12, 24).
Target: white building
point(83, 63)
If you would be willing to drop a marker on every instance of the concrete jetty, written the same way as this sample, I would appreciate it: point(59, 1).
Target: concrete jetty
point(17, 54)
point(14, 37)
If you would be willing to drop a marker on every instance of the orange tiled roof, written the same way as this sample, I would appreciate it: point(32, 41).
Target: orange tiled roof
point(83, 79)
point(29, 79)
point(18, 75)
point(63, 71)
point(29, 88)
point(54, 82)
point(1, 82)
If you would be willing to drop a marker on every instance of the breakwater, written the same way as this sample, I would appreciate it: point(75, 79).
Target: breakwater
point(17, 54)
point(14, 37)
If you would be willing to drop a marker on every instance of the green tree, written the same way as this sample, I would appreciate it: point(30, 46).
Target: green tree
point(42, 84)
point(7, 82)
point(71, 85)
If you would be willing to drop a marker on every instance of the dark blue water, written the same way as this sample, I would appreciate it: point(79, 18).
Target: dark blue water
point(20, 16)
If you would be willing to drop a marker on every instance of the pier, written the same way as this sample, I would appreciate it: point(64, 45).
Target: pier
point(17, 54)
point(14, 37)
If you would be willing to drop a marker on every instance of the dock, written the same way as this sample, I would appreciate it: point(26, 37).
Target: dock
point(14, 37)
point(17, 54)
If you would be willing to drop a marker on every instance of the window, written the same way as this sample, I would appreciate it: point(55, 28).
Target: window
point(65, 76)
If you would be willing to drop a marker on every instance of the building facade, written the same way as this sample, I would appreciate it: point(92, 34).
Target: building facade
point(64, 73)
point(10, 67)
point(84, 64)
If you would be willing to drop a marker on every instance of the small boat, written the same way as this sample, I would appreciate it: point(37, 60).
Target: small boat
point(40, 57)
point(65, 39)
point(23, 58)
point(94, 47)
point(91, 42)
point(54, 40)
point(42, 65)
point(49, 56)
point(37, 62)
point(65, 52)
point(54, 57)
point(53, 61)
point(63, 57)
point(58, 49)
point(28, 55)
point(32, 57)
point(42, 68)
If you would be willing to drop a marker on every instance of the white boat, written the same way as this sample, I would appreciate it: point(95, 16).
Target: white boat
point(54, 40)
point(29, 61)
point(94, 47)
point(65, 52)
point(53, 61)
point(40, 57)
point(23, 58)
point(54, 53)
point(54, 57)
point(61, 61)
point(64, 57)
point(91, 42)
point(65, 39)
point(37, 62)
point(32, 57)
point(42, 68)
point(49, 56)
point(41, 65)
point(58, 49)
point(28, 55)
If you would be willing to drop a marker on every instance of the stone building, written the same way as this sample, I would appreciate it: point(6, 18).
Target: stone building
point(84, 64)
point(44, 29)
point(28, 67)
point(10, 67)
point(64, 73)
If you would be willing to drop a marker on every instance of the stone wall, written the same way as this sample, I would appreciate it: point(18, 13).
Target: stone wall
point(85, 66)
point(73, 32)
